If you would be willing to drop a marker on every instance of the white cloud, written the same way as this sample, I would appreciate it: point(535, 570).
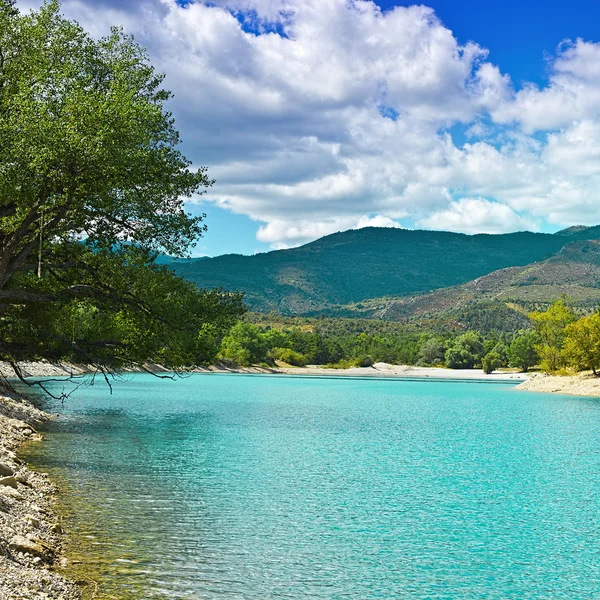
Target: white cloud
point(477, 215)
point(286, 233)
point(573, 92)
point(312, 114)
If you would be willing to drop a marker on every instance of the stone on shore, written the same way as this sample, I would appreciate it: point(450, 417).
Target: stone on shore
point(33, 521)
point(5, 470)
point(9, 481)
point(22, 544)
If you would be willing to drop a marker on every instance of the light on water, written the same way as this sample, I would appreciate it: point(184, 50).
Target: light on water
point(232, 486)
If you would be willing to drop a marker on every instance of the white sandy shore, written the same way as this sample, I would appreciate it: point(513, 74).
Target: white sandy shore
point(583, 384)
point(401, 371)
point(45, 369)
point(580, 385)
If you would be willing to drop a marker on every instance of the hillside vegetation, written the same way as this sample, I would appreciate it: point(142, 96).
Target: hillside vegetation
point(354, 266)
point(574, 271)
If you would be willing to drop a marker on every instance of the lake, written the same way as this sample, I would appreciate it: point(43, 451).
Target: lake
point(255, 487)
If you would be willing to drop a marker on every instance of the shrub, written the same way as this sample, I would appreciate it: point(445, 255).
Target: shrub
point(289, 356)
point(490, 362)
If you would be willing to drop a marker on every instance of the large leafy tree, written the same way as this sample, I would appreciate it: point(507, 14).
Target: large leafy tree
point(551, 327)
point(582, 343)
point(92, 189)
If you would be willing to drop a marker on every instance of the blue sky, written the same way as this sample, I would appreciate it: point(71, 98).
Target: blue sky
point(316, 116)
point(518, 33)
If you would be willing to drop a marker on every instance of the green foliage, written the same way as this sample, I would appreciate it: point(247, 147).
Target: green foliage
point(582, 343)
point(92, 186)
point(551, 325)
point(431, 352)
point(289, 356)
point(245, 345)
point(364, 361)
point(466, 351)
point(491, 361)
point(522, 352)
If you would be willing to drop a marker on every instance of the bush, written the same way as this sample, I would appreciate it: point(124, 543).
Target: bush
point(245, 345)
point(456, 358)
point(490, 362)
point(364, 361)
point(289, 356)
point(466, 351)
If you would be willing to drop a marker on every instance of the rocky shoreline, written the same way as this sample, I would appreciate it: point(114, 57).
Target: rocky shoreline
point(30, 534)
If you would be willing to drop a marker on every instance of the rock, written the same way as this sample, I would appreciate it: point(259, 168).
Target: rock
point(22, 544)
point(22, 478)
point(9, 481)
point(26, 432)
point(5, 470)
point(63, 563)
point(11, 493)
point(56, 528)
point(34, 521)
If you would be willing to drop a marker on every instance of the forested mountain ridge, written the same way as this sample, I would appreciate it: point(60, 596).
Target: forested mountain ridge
point(357, 265)
point(574, 272)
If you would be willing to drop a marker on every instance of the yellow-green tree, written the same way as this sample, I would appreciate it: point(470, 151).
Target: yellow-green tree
point(582, 343)
point(551, 325)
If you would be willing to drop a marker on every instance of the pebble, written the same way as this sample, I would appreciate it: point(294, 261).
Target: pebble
point(34, 521)
point(26, 546)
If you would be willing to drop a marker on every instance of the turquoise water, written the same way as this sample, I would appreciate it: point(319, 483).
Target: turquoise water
point(233, 486)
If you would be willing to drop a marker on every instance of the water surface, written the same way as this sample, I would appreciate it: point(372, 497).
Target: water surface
point(233, 486)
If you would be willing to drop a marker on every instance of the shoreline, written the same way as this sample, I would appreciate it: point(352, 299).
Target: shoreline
point(378, 370)
point(582, 384)
point(31, 537)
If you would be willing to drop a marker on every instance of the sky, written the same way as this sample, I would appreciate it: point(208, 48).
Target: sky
point(316, 116)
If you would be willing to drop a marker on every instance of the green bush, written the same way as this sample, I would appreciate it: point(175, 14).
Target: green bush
point(490, 362)
point(289, 356)
point(364, 361)
point(245, 345)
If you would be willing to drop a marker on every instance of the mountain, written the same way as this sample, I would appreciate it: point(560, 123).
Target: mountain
point(359, 265)
point(573, 271)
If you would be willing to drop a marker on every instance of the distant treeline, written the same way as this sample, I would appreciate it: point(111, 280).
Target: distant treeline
point(555, 339)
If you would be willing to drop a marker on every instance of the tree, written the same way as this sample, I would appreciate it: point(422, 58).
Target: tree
point(245, 345)
point(466, 351)
point(92, 187)
point(551, 325)
point(431, 352)
point(491, 361)
point(522, 352)
point(582, 343)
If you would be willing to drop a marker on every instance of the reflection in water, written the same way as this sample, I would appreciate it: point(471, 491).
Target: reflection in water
point(235, 486)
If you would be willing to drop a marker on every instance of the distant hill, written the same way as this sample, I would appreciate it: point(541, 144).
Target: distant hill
point(573, 271)
point(359, 265)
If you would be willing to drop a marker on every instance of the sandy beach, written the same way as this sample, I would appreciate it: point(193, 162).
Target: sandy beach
point(583, 384)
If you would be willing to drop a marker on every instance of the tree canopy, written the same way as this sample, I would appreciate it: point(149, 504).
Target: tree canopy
point(92, 188)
